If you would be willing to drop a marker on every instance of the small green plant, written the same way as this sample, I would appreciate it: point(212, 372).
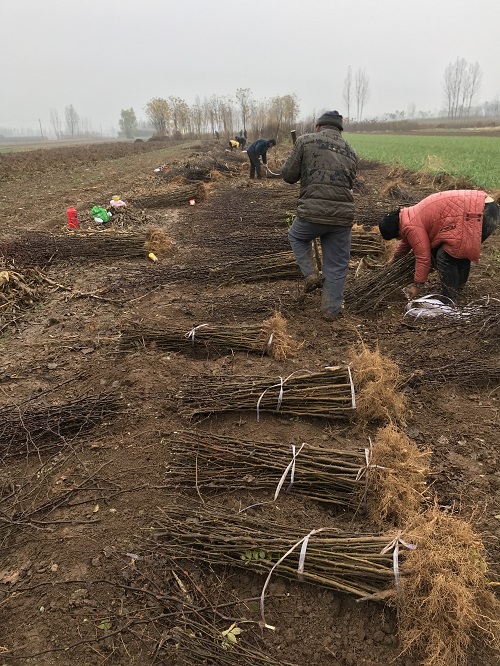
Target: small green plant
point(290, 217)
point(253, 555)
point(229, 637)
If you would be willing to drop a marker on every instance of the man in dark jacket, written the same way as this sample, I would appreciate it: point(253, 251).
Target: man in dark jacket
point(326, 166)
point(258, 149)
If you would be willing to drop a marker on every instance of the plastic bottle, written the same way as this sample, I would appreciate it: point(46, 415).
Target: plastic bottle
point(72, 218)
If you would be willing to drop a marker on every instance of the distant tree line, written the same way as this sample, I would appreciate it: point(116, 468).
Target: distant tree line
point(75, 126)
point(275, 117)
point(228, 116)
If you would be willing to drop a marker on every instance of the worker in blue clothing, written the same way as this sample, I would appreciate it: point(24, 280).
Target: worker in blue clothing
point(256, 150)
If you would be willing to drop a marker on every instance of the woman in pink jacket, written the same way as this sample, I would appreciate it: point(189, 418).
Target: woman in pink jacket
point(445, 229)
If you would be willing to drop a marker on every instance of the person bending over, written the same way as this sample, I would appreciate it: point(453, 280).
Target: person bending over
point(445, 230)
point(256, 150)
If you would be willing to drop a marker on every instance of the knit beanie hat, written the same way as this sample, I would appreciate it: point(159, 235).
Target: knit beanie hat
point(332, 119)
point(389, 225)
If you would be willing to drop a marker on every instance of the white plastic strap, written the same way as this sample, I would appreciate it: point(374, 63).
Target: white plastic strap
point(394, 546)
point(291, 465)
point(191, 333)
point(300, 571)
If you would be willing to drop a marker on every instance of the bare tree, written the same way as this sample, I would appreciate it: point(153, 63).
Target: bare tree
point(55, 122)
point(361, 92)
point(475, 77)
point(347, 91)
point(197, 116)
point(453, 85)
point(243, 97)
point(72, 120)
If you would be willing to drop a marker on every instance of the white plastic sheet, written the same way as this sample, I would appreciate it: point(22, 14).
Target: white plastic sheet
point(432, 305)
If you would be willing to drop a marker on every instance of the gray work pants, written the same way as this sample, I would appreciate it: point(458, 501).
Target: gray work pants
point(336, 251)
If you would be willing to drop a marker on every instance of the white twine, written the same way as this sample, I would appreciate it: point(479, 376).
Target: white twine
point(300, 570)
point(394, 546)
point(363, 471)
point(191, 333)
point(280, 396)
point(353, 395)
point(291, 465)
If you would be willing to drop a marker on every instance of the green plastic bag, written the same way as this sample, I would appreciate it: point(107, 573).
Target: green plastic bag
point(101, 213)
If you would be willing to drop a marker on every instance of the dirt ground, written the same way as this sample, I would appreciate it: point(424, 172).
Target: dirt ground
point(80, 579)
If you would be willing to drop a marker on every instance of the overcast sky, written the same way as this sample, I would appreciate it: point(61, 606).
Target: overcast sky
point(106, 55)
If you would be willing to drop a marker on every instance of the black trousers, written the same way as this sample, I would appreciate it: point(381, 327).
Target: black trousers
point(453, 272)
point(254, 164)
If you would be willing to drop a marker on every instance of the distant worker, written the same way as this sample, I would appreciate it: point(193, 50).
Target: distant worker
point(216, 135)
point(326, 166)
point(258, 149)
point(233, 144)
point(446, 230)
point(241, 140)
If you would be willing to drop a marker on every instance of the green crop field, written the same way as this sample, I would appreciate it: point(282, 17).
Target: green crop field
point(476, 158)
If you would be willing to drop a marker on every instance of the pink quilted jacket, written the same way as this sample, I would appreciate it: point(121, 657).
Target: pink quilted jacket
point(452, 219)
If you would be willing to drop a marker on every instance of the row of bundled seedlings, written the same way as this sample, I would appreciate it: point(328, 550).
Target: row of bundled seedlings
point(326, 394)
point(176, 194)
point(388, 478)
point(206, 169)
point(269, 337)
point(38, 247)
point(30, 427)
point(241, 245)
point(475, 370)
point(329, 393)
point(211, 533)
point(368, 291)
point(279, 266)
point(440, 584)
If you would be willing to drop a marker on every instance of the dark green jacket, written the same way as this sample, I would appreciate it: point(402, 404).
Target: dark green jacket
point(326, 166)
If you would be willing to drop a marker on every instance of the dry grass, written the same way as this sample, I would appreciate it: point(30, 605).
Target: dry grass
point(447, 602)
point(397, 481)
point(279, 343)
point(395, 189)
point(389, 249)
point(159, 242)
point(496, 196)
point(376, 379)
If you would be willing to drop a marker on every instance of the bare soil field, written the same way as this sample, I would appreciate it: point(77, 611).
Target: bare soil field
point(92, 469)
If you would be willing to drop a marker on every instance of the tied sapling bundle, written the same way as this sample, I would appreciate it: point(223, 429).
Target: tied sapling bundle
point(369, 291)
point(38, 247)
point(388, 477)
point(352, 563)
point(269, 338)
point(325, 394)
